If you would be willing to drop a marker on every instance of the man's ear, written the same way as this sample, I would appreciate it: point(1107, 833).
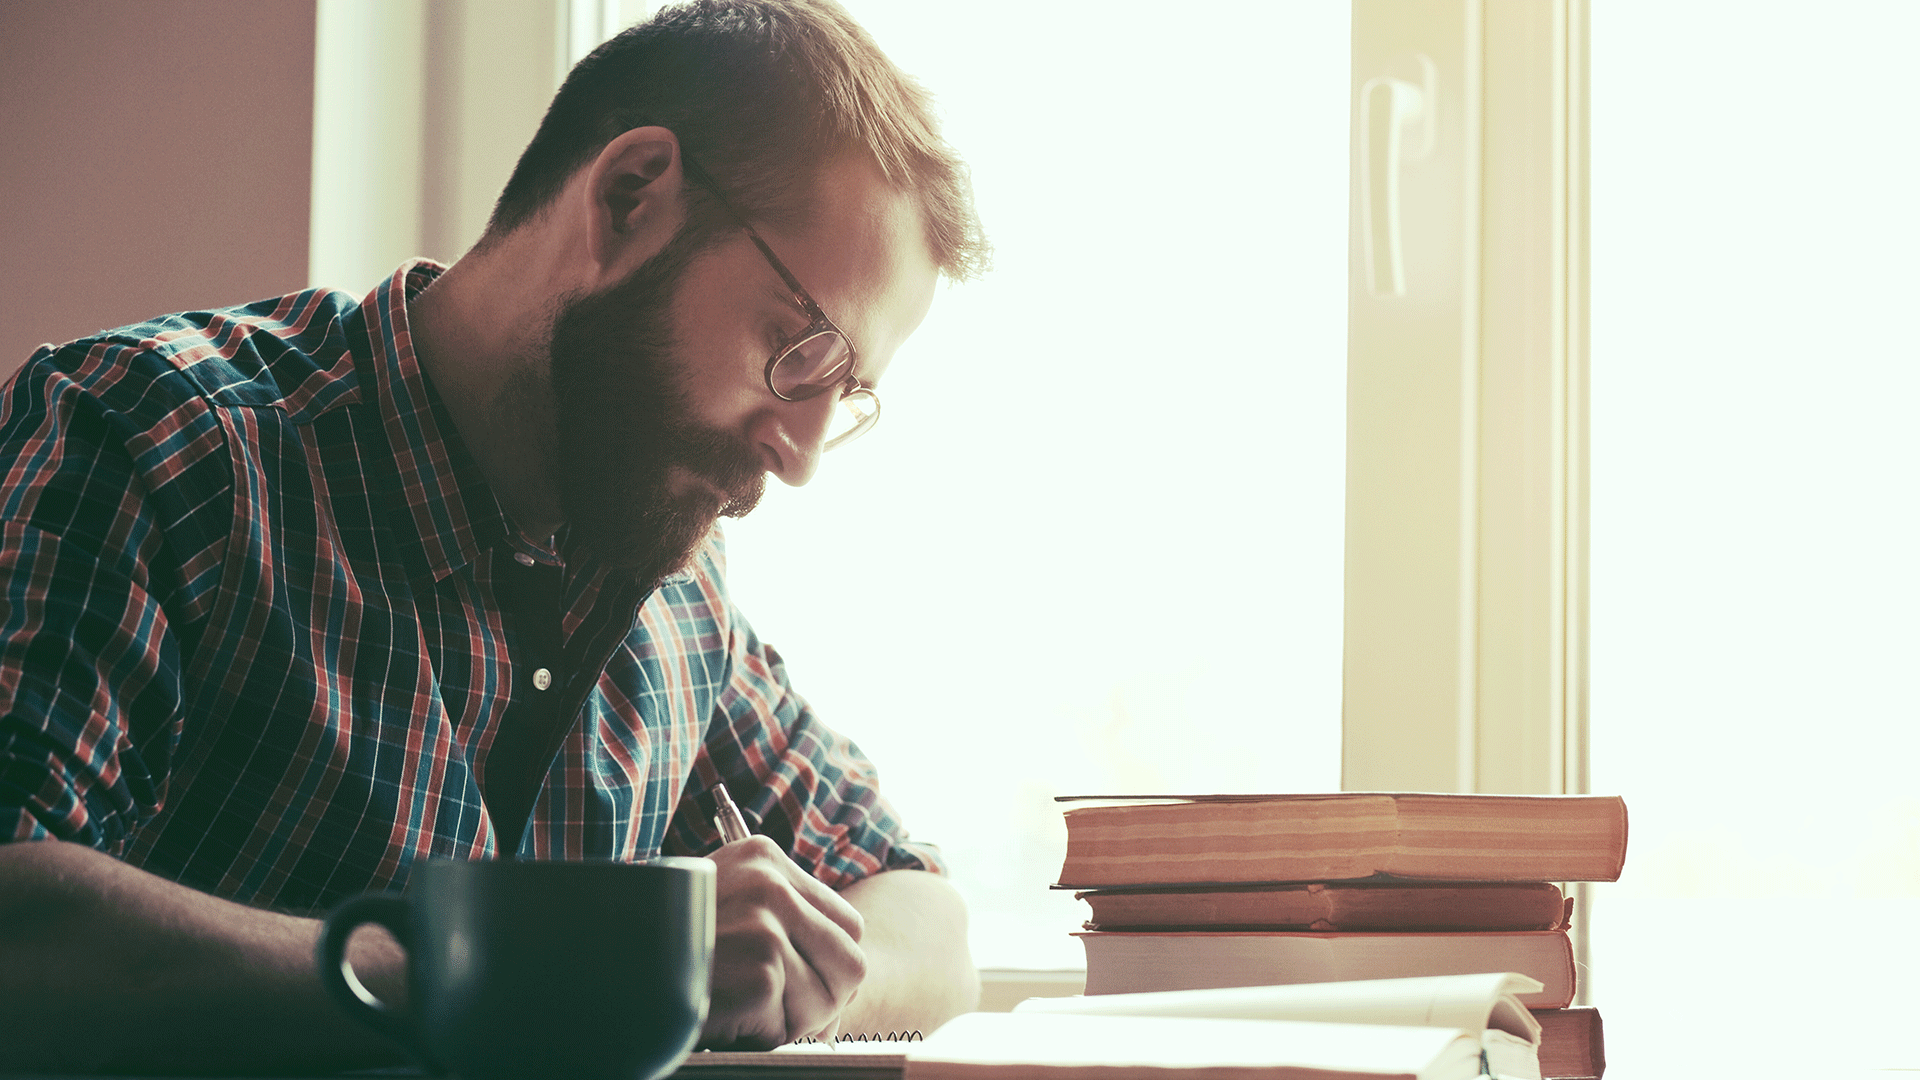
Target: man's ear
point(635, 199)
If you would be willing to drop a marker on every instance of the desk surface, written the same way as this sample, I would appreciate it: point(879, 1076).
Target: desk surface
point(860, 1066)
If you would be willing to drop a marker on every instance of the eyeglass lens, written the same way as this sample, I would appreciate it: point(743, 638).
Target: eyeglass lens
point(852, 417)
point(812, 365)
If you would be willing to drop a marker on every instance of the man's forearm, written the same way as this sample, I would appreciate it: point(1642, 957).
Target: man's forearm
point(106, 966)
point(919, 972)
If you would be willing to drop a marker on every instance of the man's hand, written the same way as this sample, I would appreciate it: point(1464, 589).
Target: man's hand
point(787, 955)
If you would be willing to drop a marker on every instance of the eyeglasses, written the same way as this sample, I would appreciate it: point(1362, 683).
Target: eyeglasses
point(816, 360)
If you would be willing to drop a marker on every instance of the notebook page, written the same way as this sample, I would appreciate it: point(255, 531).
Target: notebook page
point(1066, 1043)
point(1464, 1002)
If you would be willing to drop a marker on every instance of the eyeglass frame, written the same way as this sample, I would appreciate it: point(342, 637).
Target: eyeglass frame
point(818, 322)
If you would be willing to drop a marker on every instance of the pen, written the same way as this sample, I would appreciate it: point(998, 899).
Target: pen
point(726, 816)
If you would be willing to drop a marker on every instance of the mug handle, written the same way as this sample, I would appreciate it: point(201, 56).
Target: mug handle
point(336, 972)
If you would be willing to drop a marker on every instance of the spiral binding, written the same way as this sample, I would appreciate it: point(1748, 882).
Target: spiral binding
point(871, 1037)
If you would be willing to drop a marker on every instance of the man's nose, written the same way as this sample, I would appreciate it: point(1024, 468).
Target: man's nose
point(793, 435)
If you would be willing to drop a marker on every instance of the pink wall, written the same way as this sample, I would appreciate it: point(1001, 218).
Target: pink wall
point(154, 156)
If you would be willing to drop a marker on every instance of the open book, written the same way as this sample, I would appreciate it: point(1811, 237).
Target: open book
point(1454, 1027)
point(1128, 962)
point(1474, 1003)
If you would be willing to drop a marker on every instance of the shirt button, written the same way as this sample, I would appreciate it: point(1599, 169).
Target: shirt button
point(542, 678)
point(524, 559)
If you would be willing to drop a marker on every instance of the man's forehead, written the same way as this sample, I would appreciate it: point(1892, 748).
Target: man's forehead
point(857, 215)
point(863, 255)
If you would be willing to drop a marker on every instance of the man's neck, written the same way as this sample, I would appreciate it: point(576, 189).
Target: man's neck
point(480, 332)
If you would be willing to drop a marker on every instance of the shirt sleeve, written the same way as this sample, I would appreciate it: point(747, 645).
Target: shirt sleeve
point(90, 668)
point(797, 780)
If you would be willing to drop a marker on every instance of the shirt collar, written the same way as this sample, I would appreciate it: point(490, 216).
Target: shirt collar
point(445, 513)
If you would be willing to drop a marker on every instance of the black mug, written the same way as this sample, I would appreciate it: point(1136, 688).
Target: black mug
point(588, 970)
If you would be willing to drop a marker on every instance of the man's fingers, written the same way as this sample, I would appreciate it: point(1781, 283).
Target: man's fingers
point(765, 993)
point(830, 953)
point(787, 959)
point(822, 928)
point(748, 1007)
point(823, 899)
point(810, 1004)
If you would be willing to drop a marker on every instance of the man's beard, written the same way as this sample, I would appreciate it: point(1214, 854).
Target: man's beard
point(623, 427)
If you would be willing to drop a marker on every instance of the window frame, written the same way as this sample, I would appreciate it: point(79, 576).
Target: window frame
point(1466, 575)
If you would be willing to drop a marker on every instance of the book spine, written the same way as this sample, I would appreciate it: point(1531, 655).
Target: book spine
point(1572, 1045)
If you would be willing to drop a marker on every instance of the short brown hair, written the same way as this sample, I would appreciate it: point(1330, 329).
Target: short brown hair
point(762, 93)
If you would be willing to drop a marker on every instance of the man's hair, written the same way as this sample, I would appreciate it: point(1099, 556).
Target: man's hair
point(762, 94)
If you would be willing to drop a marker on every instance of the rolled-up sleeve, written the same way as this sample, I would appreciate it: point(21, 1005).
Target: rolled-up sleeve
point(90, 670)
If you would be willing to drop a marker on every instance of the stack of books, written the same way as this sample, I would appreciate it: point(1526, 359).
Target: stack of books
point(1195, 892)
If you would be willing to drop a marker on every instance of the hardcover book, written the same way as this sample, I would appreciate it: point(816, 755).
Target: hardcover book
point(1356, 906)
point(1133, 962)
point(1222, 839)
point(1571, 1044)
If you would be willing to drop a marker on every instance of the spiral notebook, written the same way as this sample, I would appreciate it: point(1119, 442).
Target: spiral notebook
point(879, 1056)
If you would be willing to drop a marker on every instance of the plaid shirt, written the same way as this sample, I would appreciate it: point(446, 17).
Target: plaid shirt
point(250, 639)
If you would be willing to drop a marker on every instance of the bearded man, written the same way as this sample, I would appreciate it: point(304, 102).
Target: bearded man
point(298, 594)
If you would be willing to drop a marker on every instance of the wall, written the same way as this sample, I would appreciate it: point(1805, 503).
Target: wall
point(457, 87)
point(156, 158)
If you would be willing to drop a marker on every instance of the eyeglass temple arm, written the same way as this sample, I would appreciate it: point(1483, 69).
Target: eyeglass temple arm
point(704, 179)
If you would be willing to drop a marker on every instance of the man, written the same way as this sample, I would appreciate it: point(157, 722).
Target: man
point(298, 594)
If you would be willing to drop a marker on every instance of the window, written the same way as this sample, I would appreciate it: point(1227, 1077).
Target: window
point(1095, 543)
point(1754, 463)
